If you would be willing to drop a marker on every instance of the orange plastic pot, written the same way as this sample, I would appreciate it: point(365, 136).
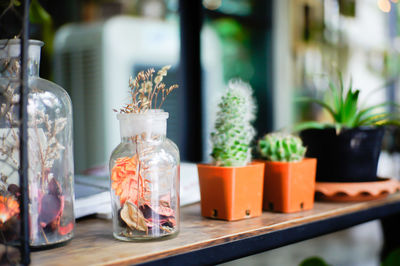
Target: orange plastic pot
point(289, 186)
point(231, 193)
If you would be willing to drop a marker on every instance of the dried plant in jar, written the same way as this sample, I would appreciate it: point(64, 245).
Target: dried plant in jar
point(144, 168)
point(50, 170)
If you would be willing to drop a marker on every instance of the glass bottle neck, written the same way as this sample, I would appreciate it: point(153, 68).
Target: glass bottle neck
point(10, 58)
point(11, 67)
point(146, 127)
point(143, 139)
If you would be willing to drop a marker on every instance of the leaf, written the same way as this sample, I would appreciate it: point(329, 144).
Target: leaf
point(389, 122)
point(16, 2)
point(54, 188)
point(372, 119)
point(163, 210)
point(321, 103)
point(51, 207)
point(335, 95)
point(365, 111)
point(393, 259)
point(313, 261)
point(133, 217)
point(310, 125)
point(341, 91)
point(349, 108)
point(37, 14)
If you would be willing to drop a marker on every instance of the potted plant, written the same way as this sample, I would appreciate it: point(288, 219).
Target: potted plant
point(289, 178)
point(231, 187)
point(347, 150)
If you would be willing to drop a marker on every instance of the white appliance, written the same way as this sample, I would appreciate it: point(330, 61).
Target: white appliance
point(93, 63)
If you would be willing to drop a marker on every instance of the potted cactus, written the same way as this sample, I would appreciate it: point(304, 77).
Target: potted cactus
point(231, 188)
point(289, 179)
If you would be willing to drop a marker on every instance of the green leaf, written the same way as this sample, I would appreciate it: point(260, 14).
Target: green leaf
point(349, 110)
point(335, 95)
point(338, 128)
point(372, 119)
point(388, 122)
point(310, 125)
point(37, 14)
point(16, 3)
point(393, 259)
point(313, 261)
point(365, 111)
point(341, 87)
point(319, 102)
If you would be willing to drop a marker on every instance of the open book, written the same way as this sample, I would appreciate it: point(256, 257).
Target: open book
point(92, 195)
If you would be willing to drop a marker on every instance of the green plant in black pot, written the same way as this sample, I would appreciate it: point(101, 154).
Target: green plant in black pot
point(348, 149)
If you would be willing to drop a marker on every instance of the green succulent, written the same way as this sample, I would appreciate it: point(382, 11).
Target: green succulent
point(281, 147)
point(233, 130)
point(346, 112)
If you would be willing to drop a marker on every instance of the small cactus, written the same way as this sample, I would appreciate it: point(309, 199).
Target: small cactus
point(281, 147)
point(233, 130)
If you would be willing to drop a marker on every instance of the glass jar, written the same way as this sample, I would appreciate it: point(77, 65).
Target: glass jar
point(51, 168)
point(144, 170)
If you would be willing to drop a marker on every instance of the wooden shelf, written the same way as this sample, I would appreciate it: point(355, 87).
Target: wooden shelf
point(202, 240)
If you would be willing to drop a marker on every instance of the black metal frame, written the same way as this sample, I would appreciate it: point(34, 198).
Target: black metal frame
point(191, 17)
point(23, 138)
point(264, 242)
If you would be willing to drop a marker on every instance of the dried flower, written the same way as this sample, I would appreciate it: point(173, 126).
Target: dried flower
point(125, 180)
point(133, 217)
point(144, 91)
point(9, 207)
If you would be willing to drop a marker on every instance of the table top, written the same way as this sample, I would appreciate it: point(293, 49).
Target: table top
point(203, 240)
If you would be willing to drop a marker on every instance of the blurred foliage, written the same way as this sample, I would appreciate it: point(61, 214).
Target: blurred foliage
point(347, 8)
point(236, 56)
point(313, 261)
point(393, 259)
point(38, 15)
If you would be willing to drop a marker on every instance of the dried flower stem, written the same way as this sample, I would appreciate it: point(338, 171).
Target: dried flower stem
point(144, 90)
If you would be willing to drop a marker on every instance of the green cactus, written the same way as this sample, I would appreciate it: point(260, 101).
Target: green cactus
point(281, 147)
point(233, 130)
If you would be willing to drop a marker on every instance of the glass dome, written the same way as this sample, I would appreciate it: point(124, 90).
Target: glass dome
point(50, 171)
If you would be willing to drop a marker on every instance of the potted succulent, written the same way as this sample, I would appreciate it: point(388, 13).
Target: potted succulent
point(289, 178)
point(348, 149)
point(231, 188)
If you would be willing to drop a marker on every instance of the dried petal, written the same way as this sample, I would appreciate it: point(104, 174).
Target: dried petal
point(133, 217)
point(126, 181)
point(63, 230)
point(162, 73)
point(54, 187)
point(8, 208)
point(51, 207)
point(154, 211)
point(158, 79)
point(165, 68)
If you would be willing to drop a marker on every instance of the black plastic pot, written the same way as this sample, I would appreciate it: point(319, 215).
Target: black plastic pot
point(350, 156)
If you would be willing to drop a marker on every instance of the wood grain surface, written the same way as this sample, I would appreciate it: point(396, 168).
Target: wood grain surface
point(94, 244)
